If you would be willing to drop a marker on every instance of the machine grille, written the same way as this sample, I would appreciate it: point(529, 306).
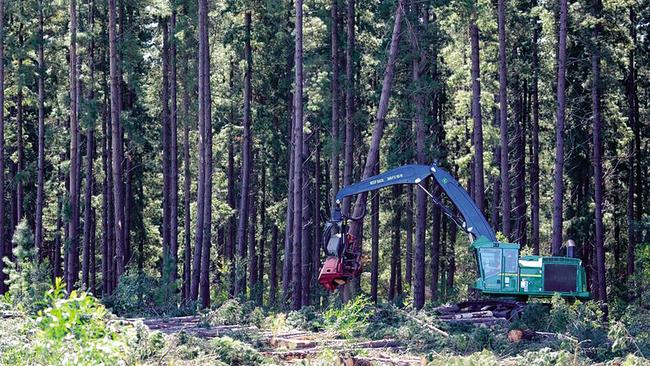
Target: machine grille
point(560, 277)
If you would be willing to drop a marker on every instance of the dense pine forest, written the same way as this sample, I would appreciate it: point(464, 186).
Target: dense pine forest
point(169, 166)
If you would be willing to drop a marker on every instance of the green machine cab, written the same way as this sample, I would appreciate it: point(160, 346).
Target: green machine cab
point(502, 272)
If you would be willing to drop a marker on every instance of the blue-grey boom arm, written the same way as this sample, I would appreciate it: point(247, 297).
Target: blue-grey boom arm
point(473, 222)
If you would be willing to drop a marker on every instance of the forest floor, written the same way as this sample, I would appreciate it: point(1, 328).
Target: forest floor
point(291, 346)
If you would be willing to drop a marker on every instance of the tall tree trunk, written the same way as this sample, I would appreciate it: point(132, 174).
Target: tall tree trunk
point(73, 226)
point(187, 184)
point(3, 234)
point(166, 157)
point(558, 188)
point(116, 142)
point(229, 250)
point(374, 234)
point(349, 101)
point(503, 113)
point(535, 149)
point(173, 126)
point(451, 257)
point(633, 150)
point(395, 289)
point(334, 61)
point(479, 180)
point(597, 153)
point(421, 199)
point(90, 156)
point(519, 235)
point(240, 283)
point(251, 253)
point(40, 180)
point(305, 239)
point(296, 295)
point(205, 113)
point(380, 117)
point(259, 295)
point(435, 251)
point(273, 275)
point(409, 236)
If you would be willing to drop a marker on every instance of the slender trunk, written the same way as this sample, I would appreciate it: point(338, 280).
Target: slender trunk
point(349, 101)
point(315, 214)
point(56, 257)
point(395, 262)
point(187, 184)
point(296, 295)
point(40, 180)
point(334, 61)
point(519, 235)
point(259, 298)
point(503, 115)
point(597, 153)
point(73, 226)
point(230, 173)
point(305, 239)
point(535, 148)
point(421, 199)
point(409, 236)
point(240, 283)
point(382, 110)
point(435, 251)
point(116, 142)
point(451, 257)
point(89, 218)
point(633, 150)
point(166, 156)
point(173, 126)
point(374, 233)
point(479, 182)
point(205, 113)
point(251, 253)
point(558, 190)
point(3, 234)
point(273, 276)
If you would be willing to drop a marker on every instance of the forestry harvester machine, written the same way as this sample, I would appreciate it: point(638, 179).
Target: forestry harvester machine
point(505, 280)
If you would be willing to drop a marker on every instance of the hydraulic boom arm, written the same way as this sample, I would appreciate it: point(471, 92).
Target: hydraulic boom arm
point(344, 257)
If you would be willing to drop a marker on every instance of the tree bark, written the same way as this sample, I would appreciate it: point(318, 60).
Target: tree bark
point(503, 114)
point(435, 250)
point(173, 126)
point(409, 236)
point(479, 180)
point(251, 253)
point(40, 180)
point(558, 188)
point(597, 152)
point(205, 113)
point(349, 102)
point(273, 275)
point(535, 149)
point(395, 285)
point(3, 234)
point(380, 117)
point(187, 184)
point(73, 226)
point(374, 234)
point(634, 151)
point(116, 142)
point(305, 239)
point(166, 156)
point(296, 296)
point(240, 283)
point(334, 61)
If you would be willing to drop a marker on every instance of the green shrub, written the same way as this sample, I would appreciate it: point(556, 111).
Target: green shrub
point(235, 353)
point(351, 319)
point(306, 319)
point(230, 312)
point(484, 358)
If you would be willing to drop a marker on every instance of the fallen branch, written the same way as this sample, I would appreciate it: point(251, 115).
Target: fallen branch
point(423, 324)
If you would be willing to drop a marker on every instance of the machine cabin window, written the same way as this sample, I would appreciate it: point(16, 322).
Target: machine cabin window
point(510, 258)
point(491, 261)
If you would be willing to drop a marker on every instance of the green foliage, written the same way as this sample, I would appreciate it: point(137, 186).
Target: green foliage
point(235, 353)
point(230, 312)
point(484, 358)
point(28, 278)
point(351, 319)
point(306, 318)
point(139, 294)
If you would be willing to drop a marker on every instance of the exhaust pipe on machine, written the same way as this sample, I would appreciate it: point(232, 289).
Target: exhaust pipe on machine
point(570, 249)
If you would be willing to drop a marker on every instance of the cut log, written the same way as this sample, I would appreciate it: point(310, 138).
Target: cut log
point(425, 325)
